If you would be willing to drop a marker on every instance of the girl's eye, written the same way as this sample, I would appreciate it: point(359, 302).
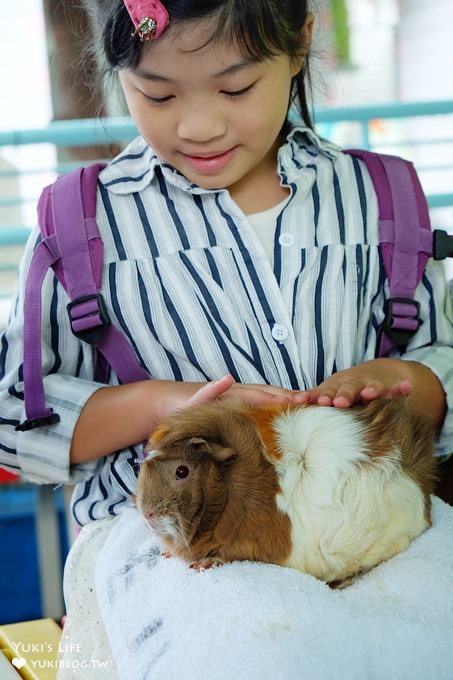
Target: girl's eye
point(182, 472)
point(157, 100)
point(238, 93)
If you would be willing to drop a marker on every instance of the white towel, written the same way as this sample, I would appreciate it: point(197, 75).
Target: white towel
point(247, 621)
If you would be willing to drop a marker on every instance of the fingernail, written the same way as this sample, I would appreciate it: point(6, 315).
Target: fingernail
point(341, 402)
point(300, 396)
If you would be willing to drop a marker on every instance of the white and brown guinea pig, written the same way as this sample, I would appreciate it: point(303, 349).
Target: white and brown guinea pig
point(332, 492)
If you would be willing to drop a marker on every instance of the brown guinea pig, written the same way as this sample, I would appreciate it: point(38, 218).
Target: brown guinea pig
point(332, 492)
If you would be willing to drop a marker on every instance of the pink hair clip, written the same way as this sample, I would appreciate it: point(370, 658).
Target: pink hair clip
point(149, 17)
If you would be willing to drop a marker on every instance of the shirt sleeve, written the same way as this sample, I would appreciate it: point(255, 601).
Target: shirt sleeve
point(432, 345)
point(42, 454)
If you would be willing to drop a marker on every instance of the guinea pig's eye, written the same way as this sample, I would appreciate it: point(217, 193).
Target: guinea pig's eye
point(182, 472)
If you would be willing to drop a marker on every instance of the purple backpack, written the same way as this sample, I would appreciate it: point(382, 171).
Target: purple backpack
point(71, 244)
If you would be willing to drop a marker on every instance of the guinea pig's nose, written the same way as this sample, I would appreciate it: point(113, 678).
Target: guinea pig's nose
point(149, 515)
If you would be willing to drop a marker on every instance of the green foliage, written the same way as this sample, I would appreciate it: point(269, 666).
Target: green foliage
point(341, 30)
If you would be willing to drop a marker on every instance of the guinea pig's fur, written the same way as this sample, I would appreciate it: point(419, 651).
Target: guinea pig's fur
point(332, 492)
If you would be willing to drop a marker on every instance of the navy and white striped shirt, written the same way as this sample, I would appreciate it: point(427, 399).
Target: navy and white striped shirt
point(188, 281)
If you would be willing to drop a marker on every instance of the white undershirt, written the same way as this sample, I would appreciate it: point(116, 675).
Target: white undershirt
point(264, 223)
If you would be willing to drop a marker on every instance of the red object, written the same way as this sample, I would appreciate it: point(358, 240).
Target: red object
point(7, 477)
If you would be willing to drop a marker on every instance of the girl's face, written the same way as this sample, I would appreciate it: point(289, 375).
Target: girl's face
point(210, 113)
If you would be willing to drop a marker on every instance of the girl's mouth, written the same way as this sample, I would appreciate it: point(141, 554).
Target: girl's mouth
point(209, 164)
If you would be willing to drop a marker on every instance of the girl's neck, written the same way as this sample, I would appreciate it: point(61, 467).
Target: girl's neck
point(260, 189)
point(266, 195)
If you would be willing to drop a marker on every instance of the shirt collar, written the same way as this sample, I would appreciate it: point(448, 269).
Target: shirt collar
point(135, 167)
point(301, 134)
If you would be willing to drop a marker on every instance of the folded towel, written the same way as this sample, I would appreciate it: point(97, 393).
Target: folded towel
point(252, 621)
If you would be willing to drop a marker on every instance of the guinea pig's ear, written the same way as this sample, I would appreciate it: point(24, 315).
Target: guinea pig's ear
point(217, 451)
point(221, 453)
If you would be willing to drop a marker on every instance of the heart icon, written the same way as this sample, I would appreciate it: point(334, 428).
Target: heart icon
point(18, 663)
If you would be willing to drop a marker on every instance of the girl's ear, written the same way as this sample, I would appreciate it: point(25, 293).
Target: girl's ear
point(307, 31)
point(306, 35)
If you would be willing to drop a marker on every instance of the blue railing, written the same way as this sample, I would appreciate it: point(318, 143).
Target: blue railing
point(74, 133)
point(361, 125)
point(120, 129)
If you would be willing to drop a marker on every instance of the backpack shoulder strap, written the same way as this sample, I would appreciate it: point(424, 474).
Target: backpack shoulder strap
point(72, 246)
point(406, 241)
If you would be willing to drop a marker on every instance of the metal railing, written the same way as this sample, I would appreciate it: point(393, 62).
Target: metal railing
point(420, 131)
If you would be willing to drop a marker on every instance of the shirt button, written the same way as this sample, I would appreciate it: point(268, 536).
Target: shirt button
point(279, 332)
point(286, 240)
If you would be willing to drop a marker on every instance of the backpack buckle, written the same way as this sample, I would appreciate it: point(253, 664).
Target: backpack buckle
point(89, 318)
point(402, 319)
point(442, 244)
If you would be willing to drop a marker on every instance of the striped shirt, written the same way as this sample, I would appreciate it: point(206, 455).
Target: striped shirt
point(189, 282)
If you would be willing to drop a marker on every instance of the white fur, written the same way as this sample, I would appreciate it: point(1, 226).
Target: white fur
point(155, 453)
point(348, 511)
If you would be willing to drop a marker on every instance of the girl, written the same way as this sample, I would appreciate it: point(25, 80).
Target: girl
point(237, 244)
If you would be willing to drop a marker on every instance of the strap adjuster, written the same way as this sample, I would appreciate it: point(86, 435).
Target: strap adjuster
point(31, 423)
point(402, 319)
point(89, 318)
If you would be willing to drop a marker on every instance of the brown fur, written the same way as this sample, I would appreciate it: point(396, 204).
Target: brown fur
point(390, 424)
point(263, 418)
point(230, 501)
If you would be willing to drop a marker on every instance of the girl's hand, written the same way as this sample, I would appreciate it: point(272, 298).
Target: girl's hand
point(385, 378)
point(252, 394)
point(379, 378)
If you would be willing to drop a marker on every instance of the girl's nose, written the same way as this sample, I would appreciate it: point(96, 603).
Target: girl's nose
point(201, 125)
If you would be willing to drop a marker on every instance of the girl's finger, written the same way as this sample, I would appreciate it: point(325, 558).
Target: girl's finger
point(342, 395)
point(211, 390)
point(373, 390)
point(308, 396)
point(401, 387)
point(255, 395)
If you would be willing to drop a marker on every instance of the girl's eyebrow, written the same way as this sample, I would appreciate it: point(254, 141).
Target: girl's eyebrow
point(234, 68)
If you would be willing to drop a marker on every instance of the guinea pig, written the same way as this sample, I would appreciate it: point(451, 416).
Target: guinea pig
point(332, 492)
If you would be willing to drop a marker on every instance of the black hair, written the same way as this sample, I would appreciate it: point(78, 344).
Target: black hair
point(260, 28)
